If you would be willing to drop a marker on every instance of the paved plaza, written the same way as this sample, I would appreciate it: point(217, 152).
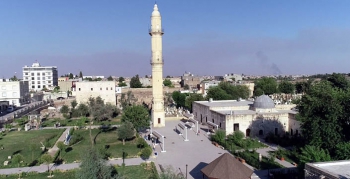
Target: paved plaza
point(196, 153)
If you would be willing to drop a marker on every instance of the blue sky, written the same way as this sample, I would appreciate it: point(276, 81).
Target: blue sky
point(110, 37)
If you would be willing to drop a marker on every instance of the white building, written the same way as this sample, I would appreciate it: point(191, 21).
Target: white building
point(332, 170)
point(105, 89)
point(254, 118)
point(15, 92)
point(205, 85)
point(233, 77)
point(40, 77)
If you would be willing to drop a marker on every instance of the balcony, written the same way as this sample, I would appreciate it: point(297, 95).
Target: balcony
point(157, 62)
point(155, 31)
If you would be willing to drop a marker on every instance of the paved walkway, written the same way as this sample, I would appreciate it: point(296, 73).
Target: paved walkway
point(52, 151)
point(43, 168)
point(264, 152)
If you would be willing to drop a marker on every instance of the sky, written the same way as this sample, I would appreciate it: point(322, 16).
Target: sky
point(203, 37)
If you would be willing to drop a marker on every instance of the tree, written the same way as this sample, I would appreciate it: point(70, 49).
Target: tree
point(99, 110)
point(110, 78)
point(64, 109)
point(311, 154)
point(61, 146)
point(167, 82)
point(339, 81)
point(141, 143)
point(71, 76)
point(126, 131)
point(321, 112)
point(216, 93)
point(121, 79)
point(179, 98)
point(47, 159)
point(191, 98)
point(135, 82)
point(121, 84)
point(83, 109)
point(137, 115)
point(146, 152)
point(127, 99)
point(14, 78)
point(258, 92)
point(17, 159)
point(342, 151)
point(93, 166)
point(80, 74)
point(267, 84)
point(286, 87)
point(74, 104)
point(303, 87)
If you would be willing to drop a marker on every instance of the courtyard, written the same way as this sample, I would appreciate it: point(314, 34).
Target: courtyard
point(195, 153)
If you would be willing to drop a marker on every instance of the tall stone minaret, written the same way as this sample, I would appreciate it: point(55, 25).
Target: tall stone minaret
point(156, 32)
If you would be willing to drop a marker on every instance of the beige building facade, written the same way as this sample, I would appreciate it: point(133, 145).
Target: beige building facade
point(86, 89)
point(156, 32)
point(253, 118)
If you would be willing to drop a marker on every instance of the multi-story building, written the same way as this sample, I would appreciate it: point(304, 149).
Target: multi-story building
point(205, 85)
point(190, 80)
point(15, 92)
point(105, 89)
point(40, 77)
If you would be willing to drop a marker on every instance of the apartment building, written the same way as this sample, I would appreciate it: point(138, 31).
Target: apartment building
point(40, 77)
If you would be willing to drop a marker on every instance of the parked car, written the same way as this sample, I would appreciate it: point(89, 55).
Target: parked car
point(10, 109)
point(60, 98)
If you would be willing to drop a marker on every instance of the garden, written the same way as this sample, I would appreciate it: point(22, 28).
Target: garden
point(28, 144)
point(143, 171)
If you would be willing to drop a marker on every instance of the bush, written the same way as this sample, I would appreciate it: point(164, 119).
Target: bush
point(146, 152)
point(219, 137)
point(141, 143)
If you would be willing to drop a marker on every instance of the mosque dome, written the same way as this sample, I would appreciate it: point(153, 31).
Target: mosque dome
point(264, 102)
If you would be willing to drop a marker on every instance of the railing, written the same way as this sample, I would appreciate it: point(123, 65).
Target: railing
point(156, 30)
point(161, 61)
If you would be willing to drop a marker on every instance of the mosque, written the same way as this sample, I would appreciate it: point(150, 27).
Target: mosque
point(254, 118)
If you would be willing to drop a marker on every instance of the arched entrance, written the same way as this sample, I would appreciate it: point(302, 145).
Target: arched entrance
point(247, 133)
point(261, 132)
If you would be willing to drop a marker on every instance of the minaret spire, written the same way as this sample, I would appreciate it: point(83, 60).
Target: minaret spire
point(156, 33)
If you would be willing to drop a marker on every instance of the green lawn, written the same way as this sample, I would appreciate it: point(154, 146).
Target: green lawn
point(142, 171)
point(106, 139)
point(19, 141)
point(77, 121)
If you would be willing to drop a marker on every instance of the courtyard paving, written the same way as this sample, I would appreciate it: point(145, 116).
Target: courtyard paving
point(196, 153)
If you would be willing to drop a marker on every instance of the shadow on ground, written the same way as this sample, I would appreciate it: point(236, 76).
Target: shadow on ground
point(196, 171)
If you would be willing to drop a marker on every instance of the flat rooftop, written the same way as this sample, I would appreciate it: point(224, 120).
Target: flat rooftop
point(224, 103)
point(251, 112)
point(337, 168)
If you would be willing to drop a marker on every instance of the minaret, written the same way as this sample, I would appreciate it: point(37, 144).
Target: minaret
point(156, 32)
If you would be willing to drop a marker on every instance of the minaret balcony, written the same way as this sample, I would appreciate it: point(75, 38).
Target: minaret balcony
point(157, 62)
point(155, 31)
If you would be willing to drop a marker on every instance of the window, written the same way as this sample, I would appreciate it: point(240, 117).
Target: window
point(43, 74)
point(158, 120)
point(44, 82)
point(38, 74)
point(39, 86)
point(32, 78)
point(92, 89)
point(79, 89)
point(48, 81)
point(32, 74)
point(48, 73)
point(3, 94)
point(43, 78)
point(26, 78)
point(26, 73)
point(38, 78)
point(33, 82)
point(33, 87)
point(44, 86)
point(101, 89)
point(38, 82)
point(111, 88)
point(49, 77)
point(236, 127)
point(106, 88)
point(14, 94)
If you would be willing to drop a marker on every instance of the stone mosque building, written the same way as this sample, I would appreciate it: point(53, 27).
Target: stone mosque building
point(253, 118)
